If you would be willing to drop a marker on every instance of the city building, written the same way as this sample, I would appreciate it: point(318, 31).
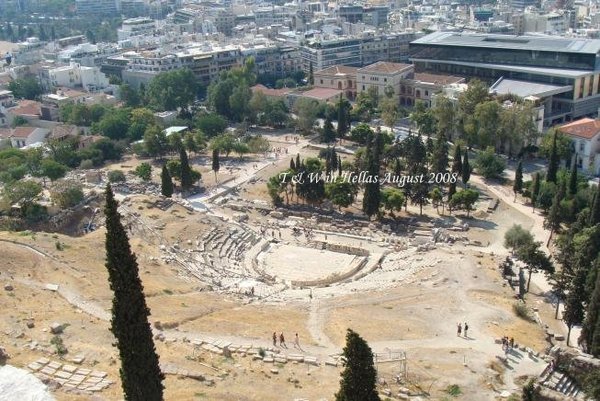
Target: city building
point(570, 66)
point(136, 27)
point(76, 76)
point(383, 76)
point(26, 136)
point(585, 134)
point(96, 7)
point(356, 51)
point(338, 77)
point(423, 87)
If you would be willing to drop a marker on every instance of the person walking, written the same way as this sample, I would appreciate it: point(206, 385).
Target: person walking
point(459, 329)
point(274, 339)
point(466, 328)
point(282, 340)
point(297, 341)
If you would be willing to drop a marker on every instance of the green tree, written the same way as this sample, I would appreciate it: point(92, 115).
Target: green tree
point(129, 95)
point(215, 162)
point(144, 171)
point(372, 195)
point(595, 210)
point(563, 145)
point(574, 312)
point(186, 172)
point(211, 124)
point(573, 183)
point(360, 133)
point(445, 115)
point(464, 199)
point(439, 157)
point(390, 111)
point(437, 198)
point(25, 88)
point(239, 103)
point(591, 384)
point(172, 90)
point(342, 117)
point(423, 118)
point(553, 162)
point(113, 125)
point(166, 183)
point(328, 134)
point(155, 141)
point(358, 381)
point(535, 259)
point(141, 376)
point(518, 184)
point(488, 164)
point(591, 326)
point(467, 102)
point(457, 166)
point(22, 192)
point(340, 192)
point(66, 194)
point(517, 237)
point(466, 168)
point(52, 169)
point(554, 217)
point(485, 121)
point(307, 111)
point(392, 200)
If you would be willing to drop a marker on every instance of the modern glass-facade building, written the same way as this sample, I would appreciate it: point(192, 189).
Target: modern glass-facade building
point(572, 64)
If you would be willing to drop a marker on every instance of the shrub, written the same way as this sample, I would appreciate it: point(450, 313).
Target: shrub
point(116, 176)
point(522, 311)
point(86, 164)
point(60, 347)
point(454, 390)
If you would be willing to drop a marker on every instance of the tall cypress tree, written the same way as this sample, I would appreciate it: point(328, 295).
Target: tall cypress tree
point(372, 196)
point(439, 158)
point(358, 381)
point(186, 171)
point(553, 219)
point(457, 161)
point(298, 160)
point(591, 326)
point(328, 134)
point(166, 183)
point(595, 210)
point(518, 185)
point(216, 165)
point(339, 163)
point(573, 177)
point(141, 376)
point(311, 74)
point(574, 310)
point(466, 168)
point(292, 164)
point(535, 190)
point(553, 163)
point(342, 126)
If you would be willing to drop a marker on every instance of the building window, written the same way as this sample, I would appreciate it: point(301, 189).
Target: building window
point(363, 87)
point(418, 94)
point(321, 82)
point(426, 93)
point(581, 146)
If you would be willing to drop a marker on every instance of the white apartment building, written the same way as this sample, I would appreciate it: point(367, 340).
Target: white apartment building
point(136, 27)
point(585, 134)
point(77, 76)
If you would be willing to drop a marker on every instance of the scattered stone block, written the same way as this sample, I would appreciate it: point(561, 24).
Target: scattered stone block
point(48, 371)
point(8, 287)
point(63, 375)
point(43, 361)
point(78, 359)
point(56, 328)
point(275, 371)
point(77, 379)
point(96, 373)
point(51, 287)
point(30, 325)
point(268, 359)
point(69, 368)
point(83, 372)
point(34, 366)
point(55, 365)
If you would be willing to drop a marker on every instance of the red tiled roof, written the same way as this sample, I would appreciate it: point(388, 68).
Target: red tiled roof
point(270, 92)
point(23, 132)
point(338, 69)
point(437, 78)
point(586, 128)
point(385, 67)
point(26, 108)
point(321, 93)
